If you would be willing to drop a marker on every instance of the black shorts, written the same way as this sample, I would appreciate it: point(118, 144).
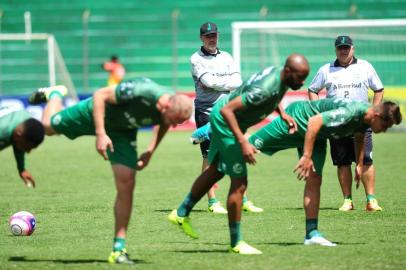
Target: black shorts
point(201, 120)
point(343, 150)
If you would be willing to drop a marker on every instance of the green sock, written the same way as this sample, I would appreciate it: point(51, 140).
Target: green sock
point(244, 199)
point(55, 93)
point(311, 225)
point(235, 234)
point(370, 197)
point(186, 206)
point(212, 201)
point(348, 197)
point(119, 244)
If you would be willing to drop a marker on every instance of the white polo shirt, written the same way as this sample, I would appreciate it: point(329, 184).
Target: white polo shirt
point(350, 82)
point(214, 75)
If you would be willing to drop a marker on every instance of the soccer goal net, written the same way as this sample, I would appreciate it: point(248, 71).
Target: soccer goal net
point(30, 61)
point(381, 42)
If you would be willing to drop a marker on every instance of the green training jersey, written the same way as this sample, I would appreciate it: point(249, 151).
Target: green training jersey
point(136, 105)
point(341, 117)
point(260, 95)
point(10, 118)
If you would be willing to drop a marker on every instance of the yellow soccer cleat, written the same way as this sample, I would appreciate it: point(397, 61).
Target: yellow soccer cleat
point(217, 208)
point(249, 206)
point(184, 223)
point(42, 94)
point(373, 206)
point(347, 205)
point(120, 257)
point(244, 249)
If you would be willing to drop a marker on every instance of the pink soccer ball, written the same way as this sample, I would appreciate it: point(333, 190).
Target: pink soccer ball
point(22, 223)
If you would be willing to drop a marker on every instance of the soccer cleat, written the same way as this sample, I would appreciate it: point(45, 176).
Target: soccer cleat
point(317, 239)
point(42, 94)
point(244, 249)
point(249, 206)
point(347, 205)
point(217, 208)
point(372, 206)
point(184, 223)
point(120, 257)
point(201, 134)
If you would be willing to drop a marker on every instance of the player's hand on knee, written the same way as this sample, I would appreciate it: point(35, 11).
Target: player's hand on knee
point(144, 160)
point(248, 152)
point(304, 167)
point(290, 122)
point(358, 174)
point(103, 142)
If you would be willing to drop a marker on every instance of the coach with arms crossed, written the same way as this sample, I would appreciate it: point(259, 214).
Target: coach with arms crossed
point(349, 77)
point(215, 75)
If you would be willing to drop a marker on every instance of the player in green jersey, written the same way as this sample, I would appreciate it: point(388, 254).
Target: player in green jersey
point(24, 133)
point(229, 150)
point(114, 115)
point(318, 121)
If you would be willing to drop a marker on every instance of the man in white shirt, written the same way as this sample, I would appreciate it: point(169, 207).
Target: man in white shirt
point(350, 77)
point(215, 75)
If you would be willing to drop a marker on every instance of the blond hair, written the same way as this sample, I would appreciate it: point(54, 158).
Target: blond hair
point(181, 105)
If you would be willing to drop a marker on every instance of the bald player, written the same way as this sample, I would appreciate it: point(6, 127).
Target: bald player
point(113, 115)
point(229, 150)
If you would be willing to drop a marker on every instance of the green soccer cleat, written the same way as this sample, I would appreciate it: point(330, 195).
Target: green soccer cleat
point(347, 205)
point(42, 94)
point(217, 208)
point(373, 206)
point(244, 249)
point(184, 223)
point(249, 206)
point(120, 257)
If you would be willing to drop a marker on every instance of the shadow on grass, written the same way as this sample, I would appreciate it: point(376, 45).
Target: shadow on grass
point(286, 244)
point(202, 251)
point(62, 261)
point(321, 208)
point(170, 210)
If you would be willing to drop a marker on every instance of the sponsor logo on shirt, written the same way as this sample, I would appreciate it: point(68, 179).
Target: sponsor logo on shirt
point(258, 143)
point(347, 86)
point(56, 120)
point(237, 168)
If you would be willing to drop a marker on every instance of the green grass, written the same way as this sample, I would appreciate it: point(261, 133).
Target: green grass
point(74, 198)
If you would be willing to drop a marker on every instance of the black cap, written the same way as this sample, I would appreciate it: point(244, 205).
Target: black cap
point(343, 41)
point(208, 28)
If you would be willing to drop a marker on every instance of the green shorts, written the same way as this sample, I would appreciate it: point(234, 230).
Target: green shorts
point(77, 121)
point(225, 150)
point(275, 137)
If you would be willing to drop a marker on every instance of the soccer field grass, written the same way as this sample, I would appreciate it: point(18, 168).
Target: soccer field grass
point(74, 198)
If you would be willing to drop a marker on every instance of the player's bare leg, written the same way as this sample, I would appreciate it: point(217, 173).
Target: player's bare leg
point(238, 187)
point(53, 106)
point(345, 178)
point(53, 96)
point(125, 183)
point(311, 204)
point(214, 205)
point(368, 180)
point(201, 186)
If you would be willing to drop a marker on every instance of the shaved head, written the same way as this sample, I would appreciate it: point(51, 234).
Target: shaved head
point(297, 62)
point(295, 71)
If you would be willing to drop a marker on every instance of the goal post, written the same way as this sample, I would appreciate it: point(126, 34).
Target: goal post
point(29, 61)
point(382, 42)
